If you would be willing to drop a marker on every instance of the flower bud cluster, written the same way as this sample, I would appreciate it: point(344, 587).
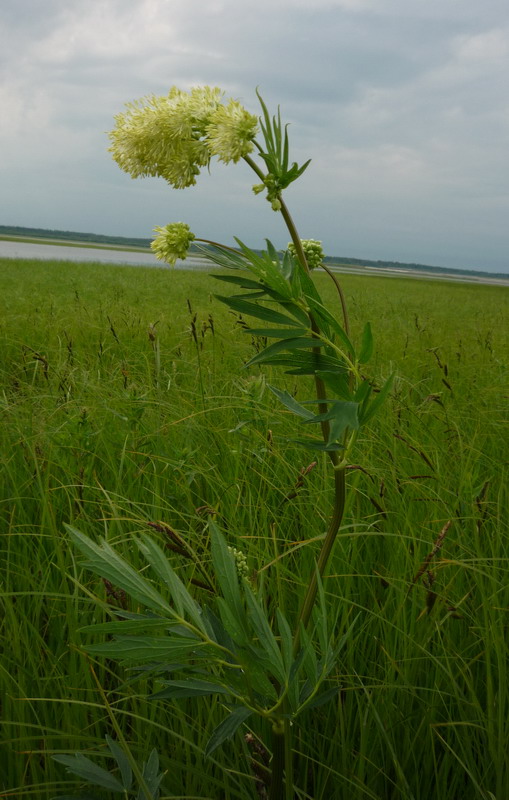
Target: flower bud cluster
point(312, 250)
point(240, 562)
point(273, 187)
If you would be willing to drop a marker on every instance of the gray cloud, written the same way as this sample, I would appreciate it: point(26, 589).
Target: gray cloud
point(402, 106)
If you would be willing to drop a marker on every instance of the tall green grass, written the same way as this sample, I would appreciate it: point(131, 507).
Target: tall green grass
point(123, 402)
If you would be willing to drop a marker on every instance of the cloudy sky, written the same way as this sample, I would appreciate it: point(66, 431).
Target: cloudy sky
point(402, 105)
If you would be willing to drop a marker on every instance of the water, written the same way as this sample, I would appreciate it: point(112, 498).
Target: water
point(48, 252)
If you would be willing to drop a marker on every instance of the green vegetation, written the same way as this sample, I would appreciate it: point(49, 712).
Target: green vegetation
point(124, 412)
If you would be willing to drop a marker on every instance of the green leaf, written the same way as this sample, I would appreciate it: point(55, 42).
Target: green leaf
point(324, 697)
point(291, 404)
point(304, 363)
point(106, 563)
point(224, 257)
point(266, 267)
point(266, 639)
point(226, 575)
point(256, 676)
point(288, 266)
point(338, 382)
point(363, 392)
point(189, 688)
point(227, 728)
point(148, 648)
point(291, 681)
point(216, 629)
point(366, 345)
point(75, 796)
point(84, 768)
point(235, 627)
point(243, 282)
point(130, 626)
point(286, 640)
point(277, 333)
point(379, 400)
point(122, 761)
point(298, 343)
point(257, 311)
point(342, 415)
point(161, 566)
point(151, 777)
point(309, 660)
point(316, 444)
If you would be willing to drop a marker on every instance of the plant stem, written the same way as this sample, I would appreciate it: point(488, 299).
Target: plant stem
point(339, 474)
point(319, 384)
point(324, 555)
point(341, 294)
point(219, 246)
point(278, 761)
point(288, 760)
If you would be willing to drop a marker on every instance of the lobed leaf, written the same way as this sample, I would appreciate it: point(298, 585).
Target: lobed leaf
point(106, 563)
point(83, 767)
point(124, 766)
point(291, 404)
point(379, 400)
point(184, 602)
point(227, 728)
point(149, 648)
point(189, 687)
point(258, 311)
point(297, 343)
point(266, 639)
point(151, 777)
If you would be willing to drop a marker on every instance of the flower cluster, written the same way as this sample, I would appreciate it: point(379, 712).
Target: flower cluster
point(240, 562)
point(174, 136)
point(231, 132)
point(172, 242)
point(312, 250)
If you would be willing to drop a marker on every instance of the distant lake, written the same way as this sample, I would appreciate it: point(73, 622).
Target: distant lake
point(48, 252)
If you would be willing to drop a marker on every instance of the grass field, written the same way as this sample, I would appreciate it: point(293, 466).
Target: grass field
point(123, 403)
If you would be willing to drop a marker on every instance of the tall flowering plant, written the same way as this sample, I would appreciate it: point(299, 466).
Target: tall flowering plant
point(231, 646)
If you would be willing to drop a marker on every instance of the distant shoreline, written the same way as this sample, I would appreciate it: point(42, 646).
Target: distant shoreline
point(23, 247)
point(72, 243)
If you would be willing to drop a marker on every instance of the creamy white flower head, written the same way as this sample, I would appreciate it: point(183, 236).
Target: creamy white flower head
point(165, 136)
point(174, 136)
point(231, 131)
point(172, 242)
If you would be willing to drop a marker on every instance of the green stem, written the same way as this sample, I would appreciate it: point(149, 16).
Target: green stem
point(288, 760)
point(278, 761)
point(342, 300)
point(319, 384)
point(254, 166)
point(325, 552)
point(339, 474)
point(219, 246)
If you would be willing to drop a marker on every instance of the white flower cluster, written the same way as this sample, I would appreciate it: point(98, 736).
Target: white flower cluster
point(172, 242)
point(174, 136)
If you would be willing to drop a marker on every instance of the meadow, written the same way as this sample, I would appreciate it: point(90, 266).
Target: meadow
point(125, 409)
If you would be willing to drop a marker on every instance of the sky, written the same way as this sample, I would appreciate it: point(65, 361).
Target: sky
point(402, 105)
